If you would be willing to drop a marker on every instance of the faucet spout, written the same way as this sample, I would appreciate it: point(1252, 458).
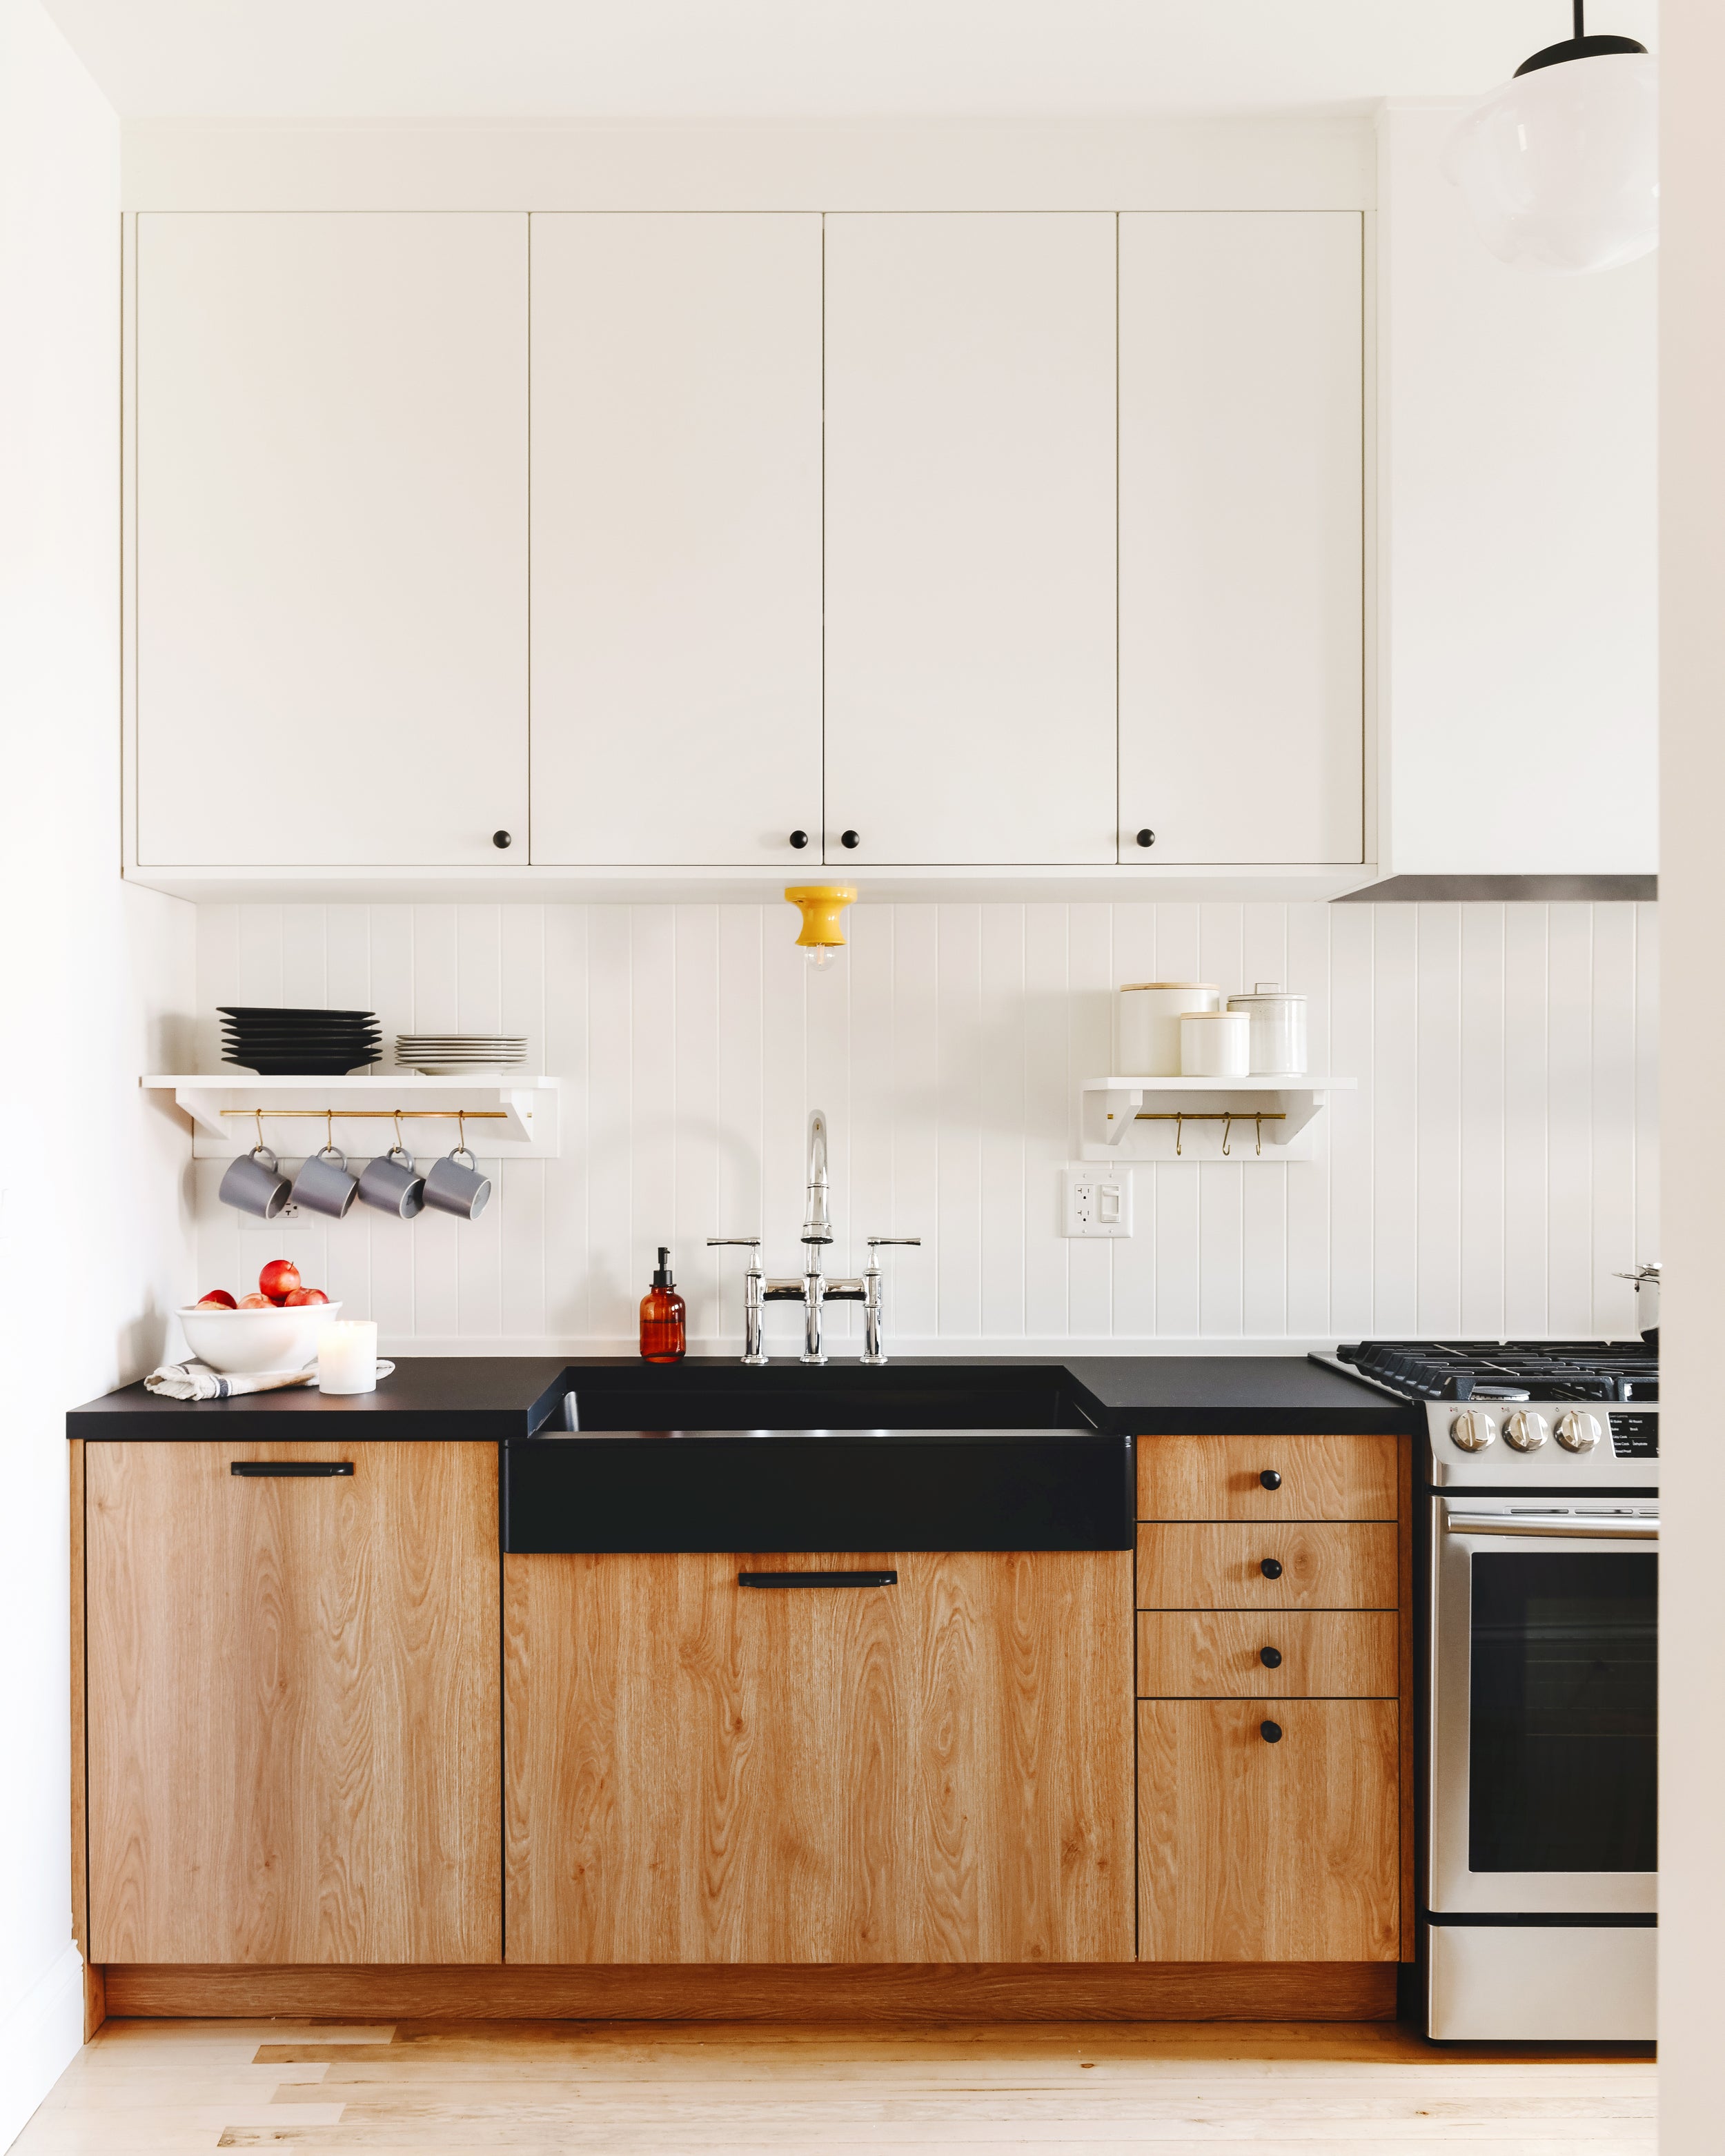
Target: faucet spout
point(818, 1220)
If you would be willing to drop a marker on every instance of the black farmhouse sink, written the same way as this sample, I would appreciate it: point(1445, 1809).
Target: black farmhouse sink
point(840, 1459)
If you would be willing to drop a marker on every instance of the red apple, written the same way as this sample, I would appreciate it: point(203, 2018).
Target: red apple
point(278, 1279)
point(301, 1295)
point(254, 1302)
point(217, 1299)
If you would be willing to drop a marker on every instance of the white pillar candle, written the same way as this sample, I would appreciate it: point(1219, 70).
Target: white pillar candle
point(347, 1357)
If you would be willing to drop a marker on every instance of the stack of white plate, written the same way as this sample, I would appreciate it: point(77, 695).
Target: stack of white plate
point(460, 1055)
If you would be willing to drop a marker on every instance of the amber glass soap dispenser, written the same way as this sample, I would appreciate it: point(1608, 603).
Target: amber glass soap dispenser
point(665, 1337)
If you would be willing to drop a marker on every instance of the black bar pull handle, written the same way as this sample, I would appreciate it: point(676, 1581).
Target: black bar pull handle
point(290, 1467)
point(817, 1579)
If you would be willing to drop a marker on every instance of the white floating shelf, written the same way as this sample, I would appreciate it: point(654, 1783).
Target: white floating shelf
point(1112, 1114)
point(527, 1105)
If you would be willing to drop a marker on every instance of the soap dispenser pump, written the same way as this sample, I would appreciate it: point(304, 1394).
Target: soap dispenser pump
point(664, 1330)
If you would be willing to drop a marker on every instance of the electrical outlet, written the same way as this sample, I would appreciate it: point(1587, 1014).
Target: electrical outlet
point(1098, 1201)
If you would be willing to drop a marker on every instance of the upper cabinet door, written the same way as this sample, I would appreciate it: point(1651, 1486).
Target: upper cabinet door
point(1241, 536)
point(331, 504)
point(970, 551)
point(676, 539)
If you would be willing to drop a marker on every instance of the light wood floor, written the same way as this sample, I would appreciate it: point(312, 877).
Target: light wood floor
point(169, 2087)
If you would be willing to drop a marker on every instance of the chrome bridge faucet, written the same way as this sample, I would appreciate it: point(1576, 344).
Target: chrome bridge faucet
point(813, 1290)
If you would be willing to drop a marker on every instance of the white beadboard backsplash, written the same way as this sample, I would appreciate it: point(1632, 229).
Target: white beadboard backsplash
point(1496, 1166)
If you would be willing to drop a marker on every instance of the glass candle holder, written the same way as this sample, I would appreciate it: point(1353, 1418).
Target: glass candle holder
point(347, 1357)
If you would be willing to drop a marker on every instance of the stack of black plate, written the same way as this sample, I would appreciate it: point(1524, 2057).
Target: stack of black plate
point(298, 1043)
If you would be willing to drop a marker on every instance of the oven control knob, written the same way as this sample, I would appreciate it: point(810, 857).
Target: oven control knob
point(1472, 1429)
point(1525, 1429)
point(1578, 1432)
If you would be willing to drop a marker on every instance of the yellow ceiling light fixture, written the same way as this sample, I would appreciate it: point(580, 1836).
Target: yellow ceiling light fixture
point(822, 935)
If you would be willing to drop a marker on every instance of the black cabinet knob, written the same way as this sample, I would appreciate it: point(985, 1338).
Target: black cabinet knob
point(799, 840)
point(501, 839)
point(1270, 1479)
point(849, 839)
point(1271, 1567)
point(1146, 837)
point(1270, 1657)
point(1271, 1732)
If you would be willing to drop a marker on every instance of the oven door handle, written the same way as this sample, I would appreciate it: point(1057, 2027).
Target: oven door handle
point(1568, 1530)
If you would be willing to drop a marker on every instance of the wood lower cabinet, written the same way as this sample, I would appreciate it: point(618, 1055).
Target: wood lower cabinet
point(1275, 1670)
point(936, 1771)
point(1255, 1850)
point(293, 1720)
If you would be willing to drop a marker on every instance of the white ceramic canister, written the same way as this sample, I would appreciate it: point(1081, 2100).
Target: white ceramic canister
point(1150, 1014)
point(1215, 1044)
point(1278, 1023)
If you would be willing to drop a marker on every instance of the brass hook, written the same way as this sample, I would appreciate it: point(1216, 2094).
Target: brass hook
point(399, 1146)
point(1179, 1134)
point(1259, 1120)
point(259, 1114)
point(461, 1130)
point(1227, 1133)
point(329, 1130)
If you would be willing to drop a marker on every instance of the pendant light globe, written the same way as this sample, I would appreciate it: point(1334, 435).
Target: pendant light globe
point(1560, 167)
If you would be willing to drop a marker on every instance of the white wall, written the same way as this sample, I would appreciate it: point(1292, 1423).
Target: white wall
point(1692, 1032)
point(1494, 1170)
point(93, 1229)
point(1517, 556)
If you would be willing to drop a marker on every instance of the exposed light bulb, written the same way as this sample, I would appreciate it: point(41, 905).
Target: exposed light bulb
point(1560, 167)
point(823, 956)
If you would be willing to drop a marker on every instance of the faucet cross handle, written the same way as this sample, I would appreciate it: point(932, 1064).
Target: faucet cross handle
point(894, 1242)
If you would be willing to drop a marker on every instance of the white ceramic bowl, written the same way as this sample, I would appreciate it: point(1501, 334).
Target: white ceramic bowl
point(240, 1343)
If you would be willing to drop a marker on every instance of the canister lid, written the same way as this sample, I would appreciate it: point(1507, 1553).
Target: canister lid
point(1266, 992)
point(1195, 1015)
point(1127, 986)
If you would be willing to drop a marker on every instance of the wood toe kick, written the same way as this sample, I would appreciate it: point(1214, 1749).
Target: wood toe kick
point(1129, 1991)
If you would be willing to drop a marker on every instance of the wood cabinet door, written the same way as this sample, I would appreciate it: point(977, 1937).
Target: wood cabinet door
point(1256, 1851)
point(1241, 411)
point(331, 532)
point(970, 545)
point(676, 539)
point(293, 1686)
point(936, 1771)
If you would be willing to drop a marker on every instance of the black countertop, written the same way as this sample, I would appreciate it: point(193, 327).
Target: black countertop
point(493, 1397)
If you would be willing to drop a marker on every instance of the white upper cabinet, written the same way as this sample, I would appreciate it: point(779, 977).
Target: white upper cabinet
point(676, 539)
point(1240, 537)
point(970, 542)
point(331, 539)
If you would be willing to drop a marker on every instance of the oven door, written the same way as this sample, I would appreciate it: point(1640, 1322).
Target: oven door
point(1542, 1768)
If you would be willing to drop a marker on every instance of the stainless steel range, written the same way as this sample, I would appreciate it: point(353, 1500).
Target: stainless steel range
point(1540, 1874)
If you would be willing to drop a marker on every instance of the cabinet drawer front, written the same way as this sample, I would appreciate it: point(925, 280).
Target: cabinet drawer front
point(1222, 1478)
point(1218, 1565)
point(1325, 1654)
point(1254, 1850)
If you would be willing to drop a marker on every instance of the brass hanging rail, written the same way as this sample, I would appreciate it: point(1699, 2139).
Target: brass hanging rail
point(1226, 1116)
point(385, 1115)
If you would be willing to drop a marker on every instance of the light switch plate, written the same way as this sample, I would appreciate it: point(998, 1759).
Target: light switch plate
point(1096, 1201)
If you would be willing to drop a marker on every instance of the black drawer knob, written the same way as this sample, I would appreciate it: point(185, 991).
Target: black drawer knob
point(1270, 1657)
point(501, 839)
point(1270, 1479)
point(1146, 838)
point(1271, 1567)
point(1271, 1732)
point(849, 839)
point(799, 840)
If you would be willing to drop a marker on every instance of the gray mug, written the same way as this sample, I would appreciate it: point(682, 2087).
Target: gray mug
point(323, 1184)
point(393, 1184)
point(253, 1183)
point(454, 1188)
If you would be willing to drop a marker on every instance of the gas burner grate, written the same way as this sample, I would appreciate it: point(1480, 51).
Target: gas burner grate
point(1539, 1369)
